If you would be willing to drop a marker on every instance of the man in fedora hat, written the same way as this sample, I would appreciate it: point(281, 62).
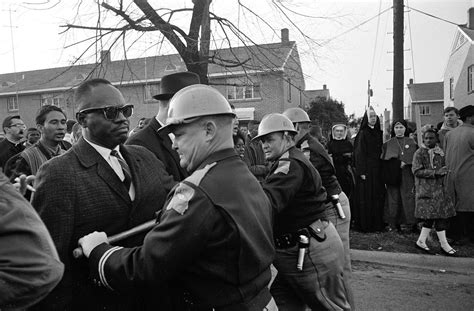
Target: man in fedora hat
point(159, 142)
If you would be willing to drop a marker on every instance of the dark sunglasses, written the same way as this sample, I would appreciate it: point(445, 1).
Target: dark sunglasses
point(112, 112)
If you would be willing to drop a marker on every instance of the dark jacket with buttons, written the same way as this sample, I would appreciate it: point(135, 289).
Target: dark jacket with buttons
point(320, 159)
point(294, 187)
point(214, 240)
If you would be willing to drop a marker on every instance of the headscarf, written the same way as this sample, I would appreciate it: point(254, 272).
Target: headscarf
point(344, 134)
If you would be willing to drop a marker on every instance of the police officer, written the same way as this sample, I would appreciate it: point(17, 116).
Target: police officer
point(301, 232)
point(320, 159)
point(214, 236)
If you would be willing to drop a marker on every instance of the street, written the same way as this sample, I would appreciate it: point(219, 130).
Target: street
point(383, 287)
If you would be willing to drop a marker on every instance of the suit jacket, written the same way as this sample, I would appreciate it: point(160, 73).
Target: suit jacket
point(78, 193)
point(160, 144)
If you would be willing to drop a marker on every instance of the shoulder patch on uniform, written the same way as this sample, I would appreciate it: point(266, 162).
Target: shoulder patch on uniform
point(198, 175)
point(283, 167)
point(304, 145)
point(181, 197)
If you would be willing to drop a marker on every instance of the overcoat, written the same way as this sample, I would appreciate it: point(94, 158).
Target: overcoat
point(78, 193)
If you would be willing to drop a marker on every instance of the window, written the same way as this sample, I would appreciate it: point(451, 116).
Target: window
point(424, 110)
point(12, 103)
point(470, 78)
point(451, 88)
point(52, 99)
point(242, 90)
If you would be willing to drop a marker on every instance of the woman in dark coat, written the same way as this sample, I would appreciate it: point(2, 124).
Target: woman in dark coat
point(434, 205)
point(397, 157)
point(368, 203)
point(341, 149)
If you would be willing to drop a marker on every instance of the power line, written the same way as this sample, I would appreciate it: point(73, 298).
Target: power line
point(431, 15)
point(355, 27)
point(376, 37)
point(411, 45)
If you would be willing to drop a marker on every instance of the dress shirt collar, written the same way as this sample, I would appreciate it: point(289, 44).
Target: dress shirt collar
point(103, 151)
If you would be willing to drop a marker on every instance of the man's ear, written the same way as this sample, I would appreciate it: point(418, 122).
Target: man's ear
point(211, 129)
point(81, 118)
point(40, 127)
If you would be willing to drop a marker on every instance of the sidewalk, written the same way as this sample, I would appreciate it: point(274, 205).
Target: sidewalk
point(431, 262)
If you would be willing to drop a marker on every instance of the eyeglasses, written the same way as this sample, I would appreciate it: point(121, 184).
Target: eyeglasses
point(112, 112)
point(18, 125)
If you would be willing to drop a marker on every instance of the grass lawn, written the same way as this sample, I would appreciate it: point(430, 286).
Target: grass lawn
point(402, 243)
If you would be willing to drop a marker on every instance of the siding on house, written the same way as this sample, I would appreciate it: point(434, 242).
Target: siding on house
point(461, 57)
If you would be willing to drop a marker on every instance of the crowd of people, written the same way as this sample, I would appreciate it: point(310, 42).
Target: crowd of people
point(410, 188)
point(187, 211)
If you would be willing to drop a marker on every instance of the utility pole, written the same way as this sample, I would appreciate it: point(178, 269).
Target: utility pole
point(398, 66)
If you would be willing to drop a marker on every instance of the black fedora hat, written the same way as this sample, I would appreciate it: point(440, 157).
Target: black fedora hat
point(172, 83)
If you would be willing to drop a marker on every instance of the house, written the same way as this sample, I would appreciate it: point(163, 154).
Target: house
point(267, 78)
point(428, 98)
point(312, 95)
point(459, 73)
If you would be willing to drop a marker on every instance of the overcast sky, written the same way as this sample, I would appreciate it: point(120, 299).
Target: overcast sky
point(344, 62)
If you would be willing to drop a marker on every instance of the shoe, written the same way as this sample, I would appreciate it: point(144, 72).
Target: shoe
point(424, 248)
point(451, 253)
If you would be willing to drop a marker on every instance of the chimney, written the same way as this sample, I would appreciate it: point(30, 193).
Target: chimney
point(105, 56)
point(411, 81)
point(325, 87)
point(470, 18)
point(285, 35)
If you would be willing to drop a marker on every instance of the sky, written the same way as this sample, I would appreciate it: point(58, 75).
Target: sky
point(335, 50)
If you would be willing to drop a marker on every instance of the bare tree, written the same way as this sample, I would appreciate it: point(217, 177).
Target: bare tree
point(192, 46)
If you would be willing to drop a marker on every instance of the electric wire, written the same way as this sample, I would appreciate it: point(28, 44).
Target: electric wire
point(355, 27)
point(376, 37)
point(411, 44)
point(431, 15)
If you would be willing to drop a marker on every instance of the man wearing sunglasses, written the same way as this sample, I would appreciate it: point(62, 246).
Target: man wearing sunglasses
point(14, 129)
point(99, 184)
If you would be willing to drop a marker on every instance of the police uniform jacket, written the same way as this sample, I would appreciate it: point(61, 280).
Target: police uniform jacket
point(322, 162)
point(214, 237)
point(295, 190)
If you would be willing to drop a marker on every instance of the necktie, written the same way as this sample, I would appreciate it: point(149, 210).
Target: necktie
point(126, 169)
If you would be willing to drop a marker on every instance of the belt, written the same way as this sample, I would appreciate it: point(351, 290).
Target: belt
point(286, 240)
point(291, 239)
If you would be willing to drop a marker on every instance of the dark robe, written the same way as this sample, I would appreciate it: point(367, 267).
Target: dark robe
point(368, 201)
point(341, 152)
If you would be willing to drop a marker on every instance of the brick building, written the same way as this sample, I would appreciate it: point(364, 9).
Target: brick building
point(270, 79)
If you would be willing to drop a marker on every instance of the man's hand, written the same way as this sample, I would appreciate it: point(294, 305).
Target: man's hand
point(24, 183)
point(90, 241)
point(363, 177)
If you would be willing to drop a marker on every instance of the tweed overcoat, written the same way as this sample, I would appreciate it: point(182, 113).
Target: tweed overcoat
point(78, 193)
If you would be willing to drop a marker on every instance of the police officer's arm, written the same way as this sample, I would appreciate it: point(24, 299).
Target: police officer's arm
point(172, 246)
point(283, 182)
point(30, 267)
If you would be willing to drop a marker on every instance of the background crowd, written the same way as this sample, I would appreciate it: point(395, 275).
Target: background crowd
point(95, 174)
